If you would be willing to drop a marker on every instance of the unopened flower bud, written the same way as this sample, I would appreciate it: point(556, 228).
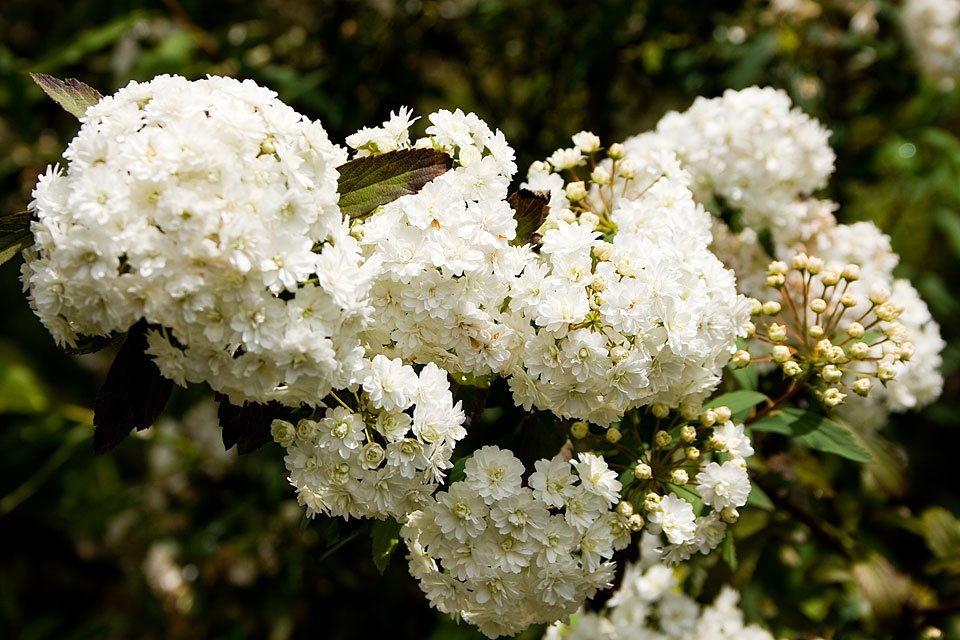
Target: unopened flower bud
point(906, 350)
point(777, 332)
point(818, 305)
point(886, 371)
point(878, 294)
point(663, 438)
point(756, 307)
point(729, 515)
point(851, 272)
point(635, 522)
point(776, 280)
point(708, 418)
point(283, 432)
point(723, 413)
point(613, 435)
point(576, 191)
point(600, 175)
point(831, 374)
point(835, 355)
point(586, 141)
point(862, 387)
point(691, 453)
point(741, 358)
point(615, 152)
point(690, 410)
point(832, 397)
point(589, 219)
point(679, 476)
point(829, 278)
point(848, 300)
point(888, 311)
point(627, 169)
point(717, 443)
point(859, 350)
point(603, 251)
point(815, 331)
point(791, 369)
point(855, 330)
point(688, 433)
point(799, 261)
point(660, 410)
point(771, 308)
point(642, 471)
point(625, 508)
point(781, 353)
point(651, 502)
point(579, 429)
point(777, 266)
point(814, 265)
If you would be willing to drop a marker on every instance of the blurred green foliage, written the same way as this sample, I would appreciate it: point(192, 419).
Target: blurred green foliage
point(170, 537)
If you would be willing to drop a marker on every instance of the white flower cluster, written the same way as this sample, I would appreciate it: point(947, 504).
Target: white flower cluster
point(721, 485)
point(208, 209)
point(932, 28)
point(383, 457)
point(650, 316)
point(751, 149)
point(444, 254)
point(649, 605)
point(504, 556)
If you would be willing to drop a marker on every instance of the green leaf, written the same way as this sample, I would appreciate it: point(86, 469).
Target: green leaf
point(133, 394)
point(71, 94)
point(949, 223)
point(759, 499)
point(728, 551)
point(739, 402)
point(685, 492)
point(815, 431)
point(530, 209)
point(369, 182)
point(941, 530)
point(15, 234)
point(385, 537)
point(747, 377)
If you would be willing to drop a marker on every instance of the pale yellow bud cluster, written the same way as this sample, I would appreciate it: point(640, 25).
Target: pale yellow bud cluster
point(825, 333)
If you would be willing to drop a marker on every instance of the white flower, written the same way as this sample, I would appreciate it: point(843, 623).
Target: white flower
point(494, 474)
point(675, 518)
point(725, 485)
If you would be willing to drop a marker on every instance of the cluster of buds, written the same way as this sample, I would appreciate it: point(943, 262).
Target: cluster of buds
point(593, 180)
point(670, 456)
point(827, 330)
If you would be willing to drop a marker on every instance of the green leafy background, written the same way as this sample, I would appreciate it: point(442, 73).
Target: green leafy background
point(827, 548)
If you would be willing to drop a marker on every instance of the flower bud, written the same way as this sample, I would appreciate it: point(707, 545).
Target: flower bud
point(729, 515)
point(815, 331)
point(855, 330)
point(283, 432)
point(848, 300)
point(832, 397)
point(835, 355)
point(642, 471)
point(679, 476)
point(660, 410)
point(859, 350)
point(829, 278)
point(886, 371)
point(862, 387)
point(586, 141)
point(799, 261)
point(627, 169)
point(579, 429)
point(818, 305)
point(851, 272)
point(600, 175)
point(781, 353)
point(589, 219)
point(888, 311)
point(814, 265)
point(791, 369)
point(635, 522)
point(756, 307)
point(707, 419)
point(688, 433)
point(691, 453)
point(651, 502)
point(690, 410)
point(777, 267)
point(663, 438)
point(776, 280)
point(831, 374)
point(723, 413)
point(741, 358)
point(615, 152)
point(576, 191)
point(777, 332)
point(771, 308)
point(625, 508)
point(613, 435)
point(878, 294)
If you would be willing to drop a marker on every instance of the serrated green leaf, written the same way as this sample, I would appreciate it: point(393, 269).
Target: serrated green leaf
point(728, 551)
point(71, 94)
point(814, 430)
point(385, 537)
point(739, 402)
point(369, 182)
point(530, 209)
point(15, 234)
